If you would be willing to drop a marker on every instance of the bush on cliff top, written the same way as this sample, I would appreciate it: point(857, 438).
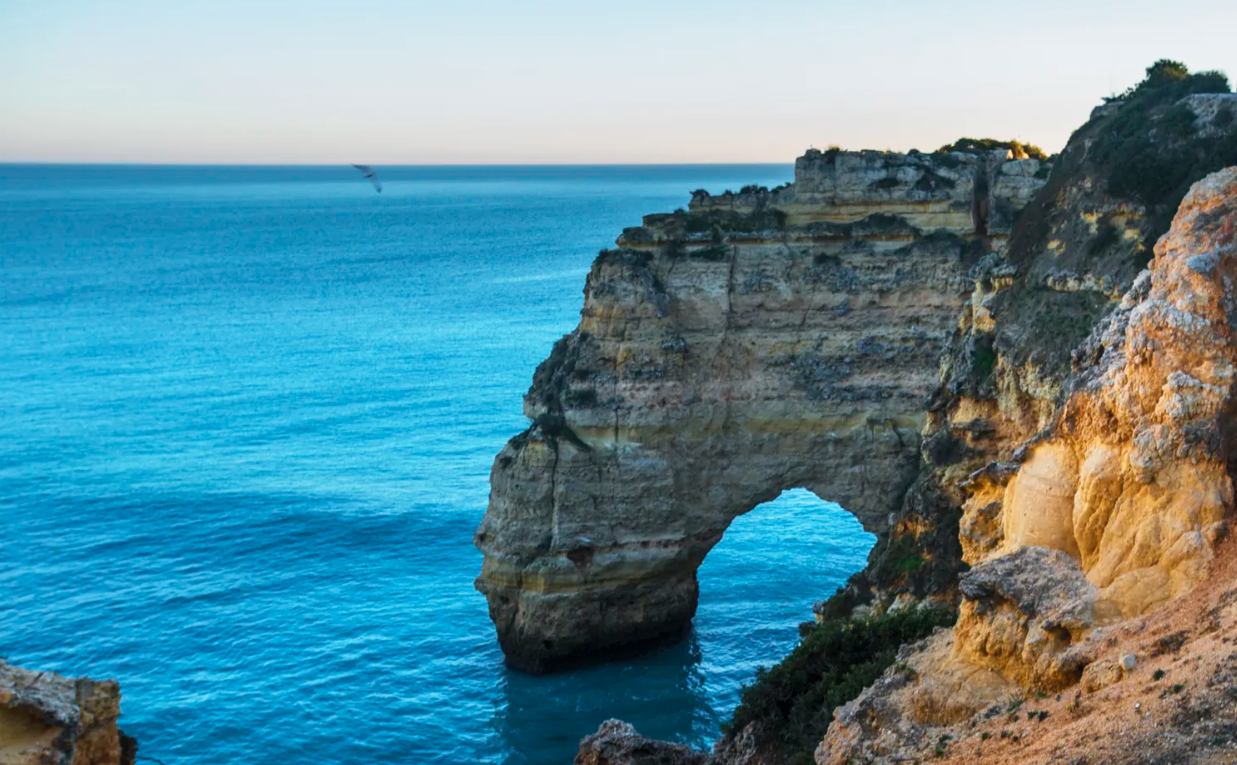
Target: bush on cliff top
point(792, 704)
point(1148, 150)
point(974, 145)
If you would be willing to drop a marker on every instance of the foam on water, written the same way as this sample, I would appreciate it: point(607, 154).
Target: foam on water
point(246, 422)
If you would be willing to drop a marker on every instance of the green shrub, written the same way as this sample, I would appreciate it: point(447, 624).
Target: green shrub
point(976, 145)
point(983, 359)
point(1032, 151)
point(793, 702)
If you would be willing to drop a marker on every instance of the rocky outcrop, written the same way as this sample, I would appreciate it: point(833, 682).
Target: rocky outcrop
point(618, 743)
point(47, 719)
point(1132, 481)
point(755, 343)
point(912, 706)
point(1114, 509)
point(1024, 615)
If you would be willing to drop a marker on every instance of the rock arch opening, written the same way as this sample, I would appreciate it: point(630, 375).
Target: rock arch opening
point(760, 581)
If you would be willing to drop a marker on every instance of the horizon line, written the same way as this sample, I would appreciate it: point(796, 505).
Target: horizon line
point(43, 163)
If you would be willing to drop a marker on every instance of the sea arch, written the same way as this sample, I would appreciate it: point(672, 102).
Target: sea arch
point(704, 379)
point(592, 553)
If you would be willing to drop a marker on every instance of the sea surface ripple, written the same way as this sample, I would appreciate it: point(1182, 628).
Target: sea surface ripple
point(247, 416)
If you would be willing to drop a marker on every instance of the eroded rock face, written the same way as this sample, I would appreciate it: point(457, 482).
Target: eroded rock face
point(928, 689)
point(47, 719)
point(761, 342)
point(1132, 483)
point(1025, 615)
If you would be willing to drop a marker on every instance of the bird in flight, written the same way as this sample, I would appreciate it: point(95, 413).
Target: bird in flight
point(369, 173)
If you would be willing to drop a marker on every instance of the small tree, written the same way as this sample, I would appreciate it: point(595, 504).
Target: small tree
point(1165, 70)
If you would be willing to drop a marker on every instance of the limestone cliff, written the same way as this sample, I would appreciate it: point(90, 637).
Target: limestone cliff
point(47, 719)
point(757, 342)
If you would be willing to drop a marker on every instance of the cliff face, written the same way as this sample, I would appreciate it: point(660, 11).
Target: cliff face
point(1120, 505)
point(758, 342)
point(46, 719)
point(1132, 482)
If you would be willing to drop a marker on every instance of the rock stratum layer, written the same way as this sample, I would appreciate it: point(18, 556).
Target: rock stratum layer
point(757, 342)
point(47, 719)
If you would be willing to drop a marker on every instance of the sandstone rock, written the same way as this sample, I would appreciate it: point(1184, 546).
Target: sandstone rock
point(1025, 615)
point(47, 719)
point(899, 716)
point(1101, 674)
point(1137, 471)
point(618, 743)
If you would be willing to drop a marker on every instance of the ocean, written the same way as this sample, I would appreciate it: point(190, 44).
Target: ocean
point(247, 417)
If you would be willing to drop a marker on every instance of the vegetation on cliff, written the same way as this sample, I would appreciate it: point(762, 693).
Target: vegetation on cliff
point(1129, 168)
point(792, 704)
point(1150, 151)
point(974, 145)
point(1142, 147)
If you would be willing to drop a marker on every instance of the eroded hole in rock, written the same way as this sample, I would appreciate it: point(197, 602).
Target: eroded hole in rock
point(581, 556)
point(24, 730)
point(760, 581)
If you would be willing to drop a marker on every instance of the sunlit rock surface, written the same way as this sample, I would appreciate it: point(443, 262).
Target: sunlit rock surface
point(1116, 507)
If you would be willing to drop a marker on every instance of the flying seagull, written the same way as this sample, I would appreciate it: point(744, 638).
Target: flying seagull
point(369, 173)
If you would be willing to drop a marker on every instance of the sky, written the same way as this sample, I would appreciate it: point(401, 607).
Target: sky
point(568, 82)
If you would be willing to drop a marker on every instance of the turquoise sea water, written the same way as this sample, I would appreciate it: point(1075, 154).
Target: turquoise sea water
point(247, 416)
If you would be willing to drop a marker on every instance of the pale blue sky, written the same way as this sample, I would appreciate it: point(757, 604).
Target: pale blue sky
point(549, 81)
